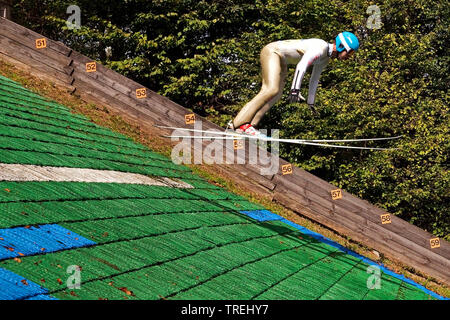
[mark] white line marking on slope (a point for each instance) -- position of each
(22, 172)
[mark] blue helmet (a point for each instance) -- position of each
(346, 40)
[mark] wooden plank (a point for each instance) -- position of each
(173, 108)
(89, 94)
(338, 208)
(315, 191)
(402, 227)
(110, 78)
(298, 203)
(300, 176)
(251, 161)
(50, 56)
(241, 181)
(79, 65)
(120, 91)
(260, 154)
(410, 232)
(109, 74)
(261, 180)
(115, 98)
(36, 71)
(356, 224)
(128, 87)
(33, 59)
(378, 231)
(12, 27)
(355, 205)
(365, 232)
(228, 153)
(336, 214)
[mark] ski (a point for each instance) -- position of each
(304, 142)
(246, 136)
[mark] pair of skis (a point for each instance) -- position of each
(231, 135)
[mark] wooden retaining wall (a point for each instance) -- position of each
(290, 186)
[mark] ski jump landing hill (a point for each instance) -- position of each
(291, 187)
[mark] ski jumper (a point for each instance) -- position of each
(274, 60)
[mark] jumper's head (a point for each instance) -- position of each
(346, 44)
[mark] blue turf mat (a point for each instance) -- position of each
(25, 241)
(266, 215)
(15, 287)
(262, 215)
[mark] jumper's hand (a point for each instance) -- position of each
(295, 96)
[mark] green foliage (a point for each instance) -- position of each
(205, 56)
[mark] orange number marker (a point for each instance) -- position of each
(91, 67)
(286, 169)
(386, 218)
(435, 243)
(41, 43)
(189, 118)
(238, 144)
(141, 93)
(336, 194)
